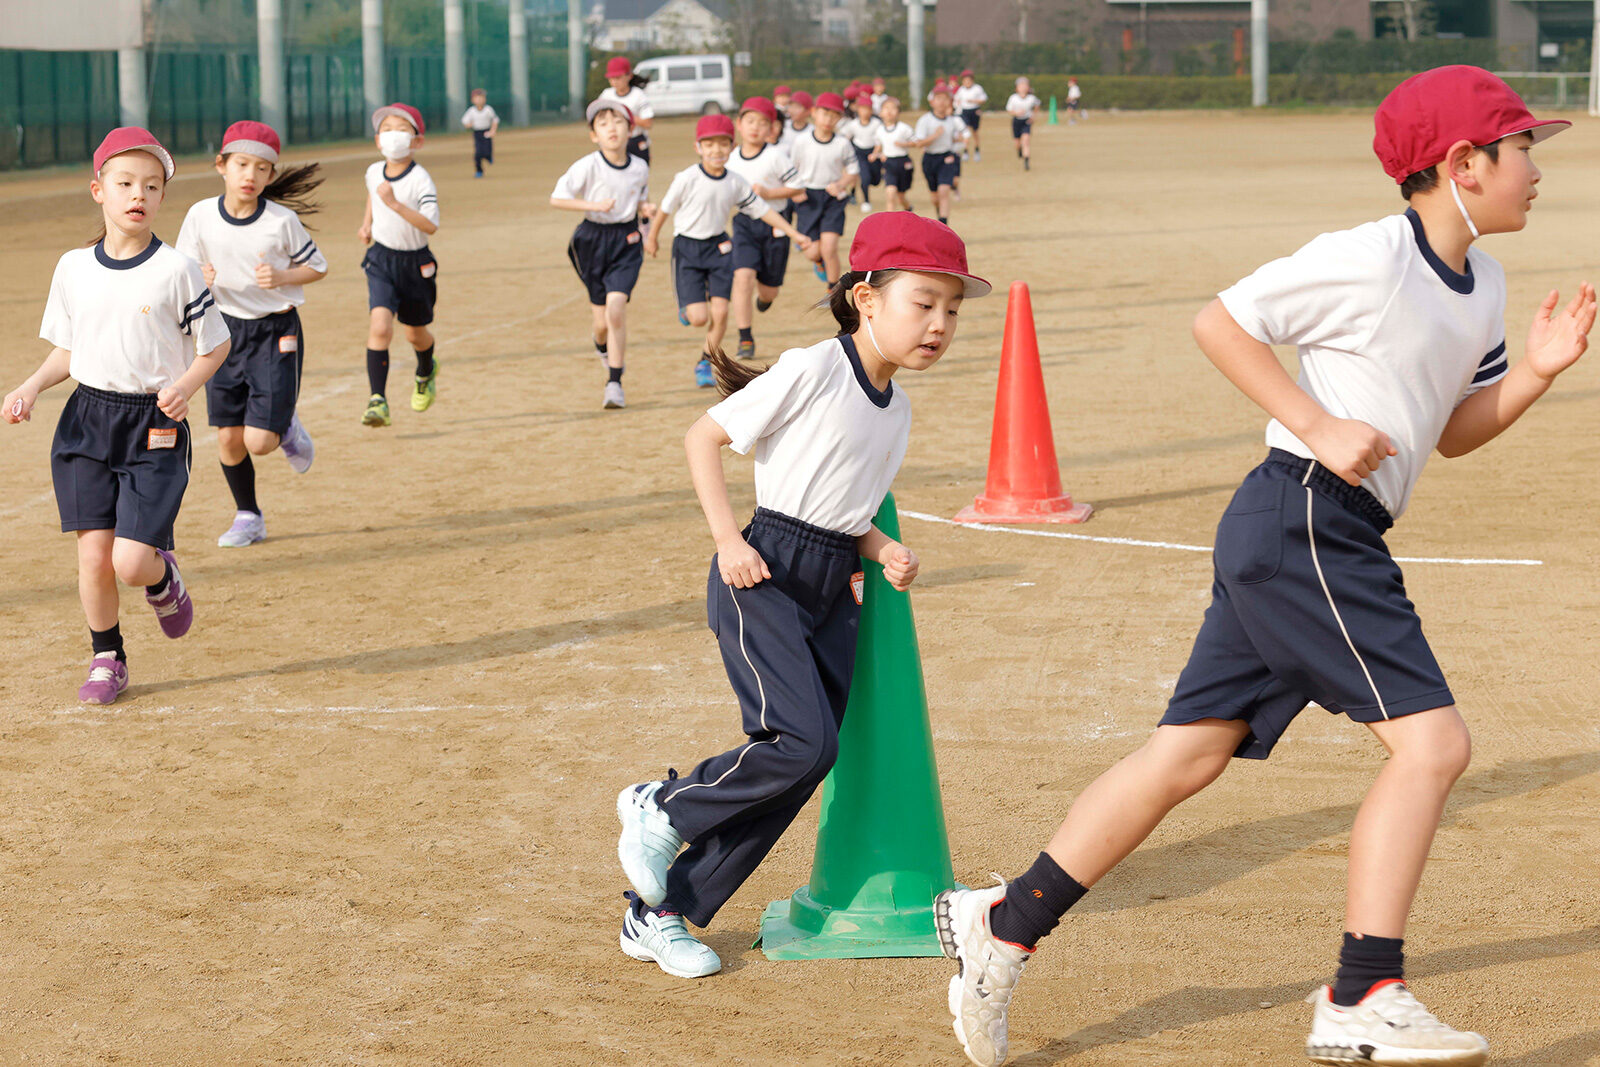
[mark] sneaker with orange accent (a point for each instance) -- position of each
(1388, 1026)
(981, 989)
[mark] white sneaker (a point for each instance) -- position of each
(614, 398)
(866, 209)
(247, 529)
(297, 446)
(989, 971)
(665, 940)
(1389, 1026)
(648, 843)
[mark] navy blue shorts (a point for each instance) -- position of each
(1307, 606)
(639, 145)
(898, 172)
(259, 382)
(119, 464)
(940, 168)
(871, 169)
(971, 117)
(482, 147)
(1020, 126)
(755, 247)
(702, 268)
(607, 256)
(819, 213)
(404, 282)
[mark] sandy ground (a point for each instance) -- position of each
(362, 813)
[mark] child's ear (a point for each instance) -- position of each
(1458, 165)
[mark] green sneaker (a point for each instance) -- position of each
(424, 391)
(377, 411)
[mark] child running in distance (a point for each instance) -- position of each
(1021, 106)
(627, 89)
(760, 252)
(825, 164)
(481, 119)
(862, 130)
(898, 172)
(937, 134)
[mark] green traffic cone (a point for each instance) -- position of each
(882, 850)
(1052, 110)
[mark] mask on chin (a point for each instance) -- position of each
(394, 144)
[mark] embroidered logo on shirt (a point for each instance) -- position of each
(858, 585)
(163, 438)
(145, 310)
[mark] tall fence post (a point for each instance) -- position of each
(455, 59)
(1258, 53)
(914, 52)
(372, 53)
(132, 102)
(519, 62)
(576, 62)
(269, 47)
(1594, 63)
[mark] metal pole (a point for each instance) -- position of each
(133, 104)
(914, 68)
(269, 47)
(1594, 63)
(372, 54)
(519, 63)
(1258, 53)
(455, 58)
(577, 64)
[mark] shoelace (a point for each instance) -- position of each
(167, 603)
(1402, 1008)
(102, 674)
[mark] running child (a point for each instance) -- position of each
(256, 258)
(879, 94)
(702, 197)
(826, 166)
(780, 102)
(611, 186)
(969, 100)
(481, 119)
(760, 252)
(1401, 335)
(1022, 105)
(894, 160)
(1074, 102)
(402, 213)
(862, 130)
(131, 320)
(627, 89)
(798, 122)
(937, 134)
(828, 429)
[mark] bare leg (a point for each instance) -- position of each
(616, 319)
(136, 563)
(767, 293)
(830, 255)
(380, 329)
(597, 312)
(719, 323)
(744, 287)
(260, 442)
(697, 314)
(230, 445)
(97, 582)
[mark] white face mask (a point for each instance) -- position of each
(394, 144)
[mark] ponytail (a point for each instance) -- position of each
(293, 189)
(731, 375)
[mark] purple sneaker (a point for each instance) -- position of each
(108, 677)
(174, 609)
(298, 448)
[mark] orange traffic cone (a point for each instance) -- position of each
(1024, 482)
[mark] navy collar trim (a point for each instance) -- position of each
(819, 140)
(879, 397)
(409, 168)
(627, 160)
(760, 150)
(1459, 283)
(125, 264)
(713, 177)
(222, 209)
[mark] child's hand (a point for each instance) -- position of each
(1556, 341)
(804, 242)
(647, 210)
(1350, 448)
(173, 404)
(386, 193)
(650, 245)
(602, 206)
(365, 233)
(209, 273)
(740, 565)
(900, 565)
(19, 404)
(799, 198)
(267, 276)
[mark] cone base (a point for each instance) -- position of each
(1052, 509)
(798, 928)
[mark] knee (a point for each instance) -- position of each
(94, 556)
(259, 442)
(615, 311)
(696, 315)
(1444, 755)
(131, 562)
(380, 335)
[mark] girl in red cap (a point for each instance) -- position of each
(257, 257)
(828, 430)
(760, 253)
(132, 321)
(798, 122)
(826, 167)
(627, 89)
(1400, 326)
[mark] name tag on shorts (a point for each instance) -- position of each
(725, 247)
(428, 269)
(949, 159)
(633, 237)
(858, 585)
(163, 438)
(289, 344)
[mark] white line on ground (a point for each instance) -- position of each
(1174, 546)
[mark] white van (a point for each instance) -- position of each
(689, 85)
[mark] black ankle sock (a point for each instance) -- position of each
(242, 484)
(378, 370)
(614, 374)
(600, 347)
(166, 579)
(1364, 962)
(944, 219)
(762, 305)
(1034, 903)
(746, 333)
(424, 361)
(108, 641)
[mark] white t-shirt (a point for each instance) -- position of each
(970, 97)
(820, 163)
(769, 167)
(132, 325)
(889, 138)
(415, 189)
(864, 135)
(877, 101)
(787, 138)
(479, 118)
(273, 235)
(1386, 332)
(594, 177)
(1074, 93)
(700, 204)
(949, 130)
(637, 102)
(827, 445)
(1022, 107)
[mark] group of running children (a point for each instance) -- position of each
(1400, 330)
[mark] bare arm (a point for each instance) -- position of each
(653, 235)
(778, 222)
(583, 205)
(365, 232)
(270, 277)
(900, 564)
(18, 405)
(174, 399)
(740, 565)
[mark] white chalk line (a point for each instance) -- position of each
(1176, 547)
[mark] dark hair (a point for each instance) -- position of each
(292, 187)
(1426, 180)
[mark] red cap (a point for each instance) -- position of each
(761, 104)
(253, 139)
(597, 106)
(133, 139)
(830, 102)
(801, 97)
(903, 240)
(782, 90)
(966, 74)
(713, 126)
(1427, 113)
(851, 93)
(619, 67)
(405, 111)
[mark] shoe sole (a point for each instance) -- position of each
(639, 952)
(240, 544)
(373, 420)
(613, 405)
(624, 816)
(102, 703)
(1379, 1055)
(944, 924)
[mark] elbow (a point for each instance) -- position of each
(1451, 449)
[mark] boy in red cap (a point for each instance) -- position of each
(760, 252)
(627, 89)
(828, 429)
(1401, 336)
(938, 134)
(798, 122)
(780, 103)
(969, 99)
(257, 258)
(702, 197)
(825, 164)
